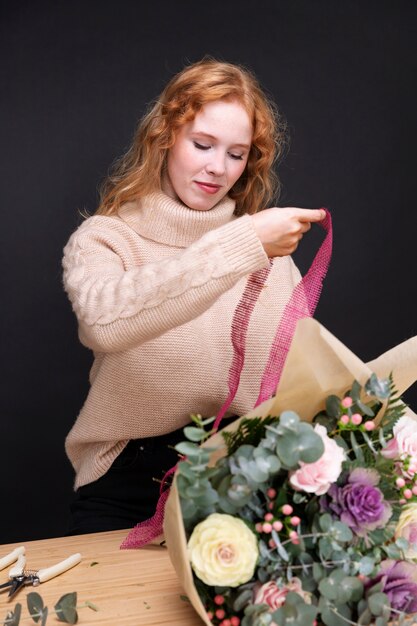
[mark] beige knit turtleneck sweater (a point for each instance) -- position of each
(154, 291)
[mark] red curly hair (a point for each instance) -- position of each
(139, 171)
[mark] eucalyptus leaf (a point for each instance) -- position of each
(318, 572)
(333, 407)
(402, 543)
(66, 608)
(310, 444)
(365, 408)
(392, 551)
(242, 599)
(366, 565)
(13, 617)
(195, 434)
(35, 605)
(188, 449)
(340, 532)
(356, 448)
(355, 392)
(289, 420)
(377, 602)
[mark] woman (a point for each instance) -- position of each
(155, 276)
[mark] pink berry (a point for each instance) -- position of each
(277, 525)
(220, 613)
(270, 505)
(272, 544)
(345, 419)
(210, 615)
(268, 517)
(295, 520)
(347, 402)
(266, 527)
(402, 501)
(287, 509)
(235, 621)
(271, 493)
(369, 425)
(219, 600)
(414, 490)
(258, 527)
(408, 494)
(356, 419)
(294, 538)
(226, 622)
(400, 482)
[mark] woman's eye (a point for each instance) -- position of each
(237, 157)
(200, 146)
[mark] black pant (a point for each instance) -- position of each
(127, 493)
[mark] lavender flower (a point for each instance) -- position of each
(399, 582)
(359, 503)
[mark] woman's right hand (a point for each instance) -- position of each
(280, 229)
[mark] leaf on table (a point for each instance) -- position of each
(13, 617)
(35, 606)
(66, 608)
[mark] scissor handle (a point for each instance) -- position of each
(50, 572)
(11, 557)
(17, 569)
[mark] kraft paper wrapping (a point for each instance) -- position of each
(317, 365)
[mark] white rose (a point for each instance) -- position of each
(223, 551)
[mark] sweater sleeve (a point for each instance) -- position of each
(119, 308)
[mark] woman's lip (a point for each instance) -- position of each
(208, 187)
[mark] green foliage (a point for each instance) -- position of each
(326, 556)
(250, 431)
(65, 610)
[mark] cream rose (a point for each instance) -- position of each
(317, 477)
(223, 551)
(407, 529)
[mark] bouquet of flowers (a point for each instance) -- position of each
(278, 521)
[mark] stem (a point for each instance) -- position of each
(342, 617)
(306, 537)
(309, 565)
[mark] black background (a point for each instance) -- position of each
(75, 78)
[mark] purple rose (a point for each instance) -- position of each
(399, 582)
(359, 503)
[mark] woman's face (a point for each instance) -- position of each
(209, 155)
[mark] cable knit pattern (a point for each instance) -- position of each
(154, 290)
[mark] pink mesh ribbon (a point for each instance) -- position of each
(302, 304)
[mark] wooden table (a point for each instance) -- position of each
(129, 587)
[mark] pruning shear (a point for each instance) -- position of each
(19, 576)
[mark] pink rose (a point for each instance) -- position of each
(274, 596)
(318, 476)
(404, 442)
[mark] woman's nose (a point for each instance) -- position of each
(216, 164)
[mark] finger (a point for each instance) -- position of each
(310, 215)
(305, 226)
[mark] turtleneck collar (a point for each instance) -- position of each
(161, 218)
